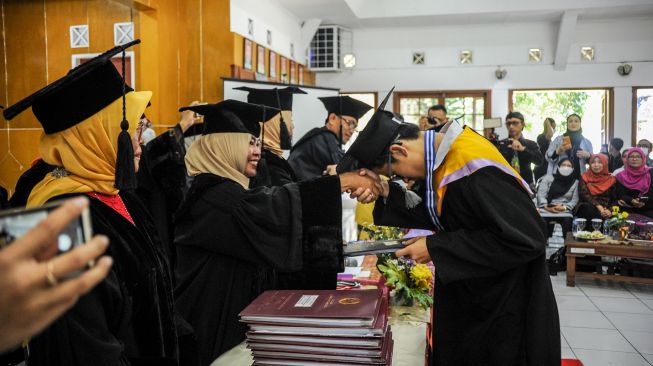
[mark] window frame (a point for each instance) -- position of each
(486, 94)
(633, 121)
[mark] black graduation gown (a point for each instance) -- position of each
(275, 172)
(27, 181)
(162, 183)
(494, 304)
(272, 171)
(128, 318)
(316, 150)
(230, 241)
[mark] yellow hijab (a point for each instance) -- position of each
(87, 151)
(272, 132)
(223, 154)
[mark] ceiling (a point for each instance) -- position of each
(419, 13)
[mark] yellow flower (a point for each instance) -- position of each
(615, 210)
(421, 275)
(625, 215)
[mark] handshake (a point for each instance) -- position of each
(363, 185)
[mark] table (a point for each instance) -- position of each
(409, 327)
(577, 249)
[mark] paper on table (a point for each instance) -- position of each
(353, 270)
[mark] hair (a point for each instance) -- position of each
(438, 107)
(517, 115)
(617, 143)
(574, 114)
(406, 131)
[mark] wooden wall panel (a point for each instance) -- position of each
(217, 52)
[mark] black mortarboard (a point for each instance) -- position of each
(345, 106)
(275, 97)
(233, 116)
(379, 132)
(84, 91)
(194, 130)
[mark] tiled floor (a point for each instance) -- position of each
(604, 322)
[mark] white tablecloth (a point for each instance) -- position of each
(408, 332)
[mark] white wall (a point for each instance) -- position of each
(267, 14)
(384, 59)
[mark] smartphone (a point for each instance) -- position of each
(643, 199)
(566, 140)
(15, 223)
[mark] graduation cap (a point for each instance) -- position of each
(344, 105)
(377, 135)
(232, 116)
(276, 98)
(84, 91)
(194, 130)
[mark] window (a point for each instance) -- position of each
(470, 106)
(593, 105)
(642, 114)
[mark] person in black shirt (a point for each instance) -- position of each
(519, 151)
(615, 160)
(543, 141)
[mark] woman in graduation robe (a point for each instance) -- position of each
(493, 300)
(230, 240)
(128, 319)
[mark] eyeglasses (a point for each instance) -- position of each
(350, 122)
(634, 157)
(513, 123)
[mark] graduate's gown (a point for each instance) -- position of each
(128, 318)
(230, 241)
(494, 304)
(274, 171)
(317, 149)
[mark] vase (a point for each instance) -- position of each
(400, 299)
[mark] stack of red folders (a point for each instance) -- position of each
(319, 328)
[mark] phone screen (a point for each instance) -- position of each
(17, 222)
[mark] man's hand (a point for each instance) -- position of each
(385, 186)
(34, 293)
(416, 250)
(517, 146)
(330, 170)
(188, 118)
(361, 187)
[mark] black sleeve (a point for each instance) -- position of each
(533, 153)
(393, 211)
(623, 193)
(511, 232)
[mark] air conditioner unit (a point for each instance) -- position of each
(328, 46)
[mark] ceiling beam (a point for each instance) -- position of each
(566, 37)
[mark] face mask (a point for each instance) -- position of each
(565, 170)
(645, 149)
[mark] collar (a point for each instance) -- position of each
(451, 132)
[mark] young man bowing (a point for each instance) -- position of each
(494, 304)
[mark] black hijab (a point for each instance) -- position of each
(576, 138)
(561, 184)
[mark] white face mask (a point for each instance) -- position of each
(645, 149)
(565, 170)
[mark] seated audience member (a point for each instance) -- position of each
(129, 317)
(543, 141)
(519, 151)
(623, 162)
(230, 240)
(571, 145)
(596, 190)
(27, 307)
(615, 160)
(633, 188)
(646, 147)
(557, 195)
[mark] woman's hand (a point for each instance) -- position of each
(637, 203)
(623, 203)
(415, 249)
(551, 209)
(34, 293)
(562, 148)
(583, 154)
(560, 208)
(188, 118)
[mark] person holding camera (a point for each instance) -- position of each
(436, 118)
(520, 152)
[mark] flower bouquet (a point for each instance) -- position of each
(617, 223)
(410, 282)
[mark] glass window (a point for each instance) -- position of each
(470, 106)
(643, 105)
